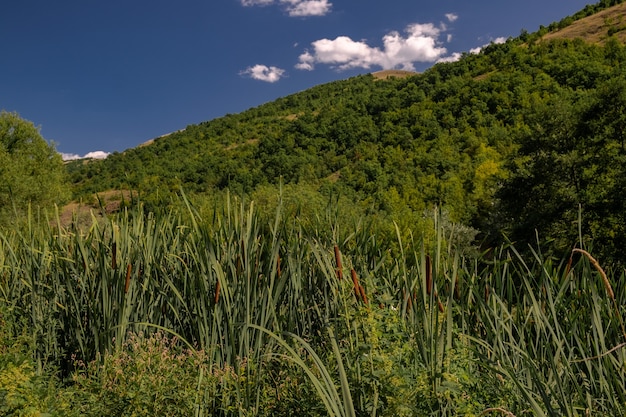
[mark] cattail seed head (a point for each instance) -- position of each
(114, 255)
(217, 292)
(605, 279)
(569, 266)
(355, 281)
(338, 262)
(363, 295)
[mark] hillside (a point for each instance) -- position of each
(447, 243)
(596, 28)
(504, 140)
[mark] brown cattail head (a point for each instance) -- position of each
(607, 286)
(278, 271)
(355, 281)
(363, 295)
(486, 293)
(408, 299)
(605, 279)
(457, 290)
(440, 305)
(569, 266)
(239, 265)
(114, 255)
(338, 262)
(129, 269)
(217, 292)
(429, 275)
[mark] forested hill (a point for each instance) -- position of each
(513, 139)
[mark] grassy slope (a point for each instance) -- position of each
(595, 28)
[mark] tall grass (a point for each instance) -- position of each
(557, 336)
(409, 327)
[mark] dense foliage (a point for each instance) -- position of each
(227, 313)
(346, 278)
(516, 138)
(31, 171)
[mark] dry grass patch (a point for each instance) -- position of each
(106, 202)
(596, 28)
(386, 74)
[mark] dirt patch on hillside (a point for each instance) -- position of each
(97, 206)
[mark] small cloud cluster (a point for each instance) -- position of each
(451, 17)
(90, 155)
(263, 73)
(457, 55)
(296, 8)
(420, 44)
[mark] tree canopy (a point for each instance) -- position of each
(31, 171)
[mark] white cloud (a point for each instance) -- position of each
(307, 62)
(69, 156)
(480, 48)
(90, 155)
(451, 17)
(296, 8)
(419, 45)
(97, 155)
(256, 2)
(301, 8)
(457, 55)
(451, 58)
(263, 73)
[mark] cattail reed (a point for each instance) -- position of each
(114, 255)
(355, 281)
(607, 284)
(407, 297)
(363, 295)
(569, 266)
(129, 269)
(217, 292)
(239, 265)
(429, 275)
(338, 262)
(439, 303)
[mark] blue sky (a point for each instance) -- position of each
(109, 75)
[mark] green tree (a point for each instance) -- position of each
(31, 171)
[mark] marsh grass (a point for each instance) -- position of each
(420, 328)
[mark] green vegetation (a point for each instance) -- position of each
(514, 139)
(239, 314)
(448, 243)
(31, 171)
